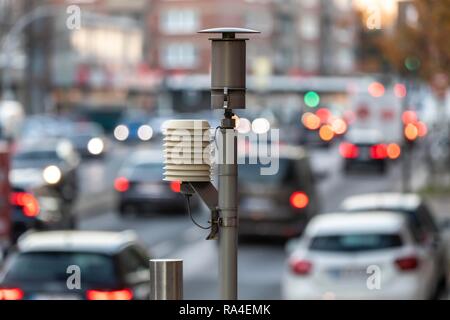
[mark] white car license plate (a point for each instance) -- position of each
(151, 189)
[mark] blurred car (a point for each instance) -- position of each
(88, 139)
(358, 256)
(412, 206)
(133, 127)
(44, 127)
(277, 205)
(141, 188)
(110, 266)
(51, 162)
(38, 208)
(363, 149)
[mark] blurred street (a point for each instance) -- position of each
(174, 236)
(314, 132)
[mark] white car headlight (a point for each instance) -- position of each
(52, 174)
(260, 125)
(95, 146)
(121, 132)
(145, 132)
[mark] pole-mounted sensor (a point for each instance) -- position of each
(228, 68)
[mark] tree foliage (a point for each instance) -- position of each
(427, 40)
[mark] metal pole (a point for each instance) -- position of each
(228, 232)
(407, 149)
(166, 279)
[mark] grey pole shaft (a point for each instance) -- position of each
(166, 279)
(228, 234)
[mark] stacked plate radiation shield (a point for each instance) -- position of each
(187, 150)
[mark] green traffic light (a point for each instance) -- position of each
(412, 63)
(312, 99)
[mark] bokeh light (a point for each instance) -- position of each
(412, 63)
(121, 132)
(145, 132)
(312, 99)
(422, 129)
(339, 126)
(324, 114)
(400, 90)
(326, 133)
(393, 151)
(311, 121)
(260, 125)
(376, 89)
(409, 116)
(243, 125)
(411, 132)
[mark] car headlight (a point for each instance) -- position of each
(121, 132)
(95, 146)
(52, 174)
(260, 125)
(145, 132)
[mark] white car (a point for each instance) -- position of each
(358, 256)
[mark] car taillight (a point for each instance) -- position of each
(175, 186)
(407, 263)
(300, 267)
(299, 200)
(121, 184)
(124, 294)
(378, 152)
(11, 294)
(29, 204)
(348, 150)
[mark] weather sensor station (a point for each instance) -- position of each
(187, 151)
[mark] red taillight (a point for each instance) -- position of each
(29, 204)
(121, 184)
(378, 152)
(348, 150)
(124, 294)
(299, 200)
(407, 263)
(300, 267)
(175, 186)
(11, 294)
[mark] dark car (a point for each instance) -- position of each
(141, 188)
(38, 208)
(277, 205)
(426, 230)
(88, 140)
(133, 128)
(364, 148)
(75, 265)
(50, 163)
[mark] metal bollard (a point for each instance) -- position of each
(166, 279)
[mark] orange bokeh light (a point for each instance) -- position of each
(311, 121)
(326, 133)
(411, 132)
(393, 151)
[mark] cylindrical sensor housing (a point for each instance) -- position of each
(228, 73)
(228, 68)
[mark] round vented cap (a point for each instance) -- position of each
(187, 150)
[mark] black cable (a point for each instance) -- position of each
(215, 137)
(188, 202)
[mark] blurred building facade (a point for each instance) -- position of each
(308, 37)
(13, 62)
